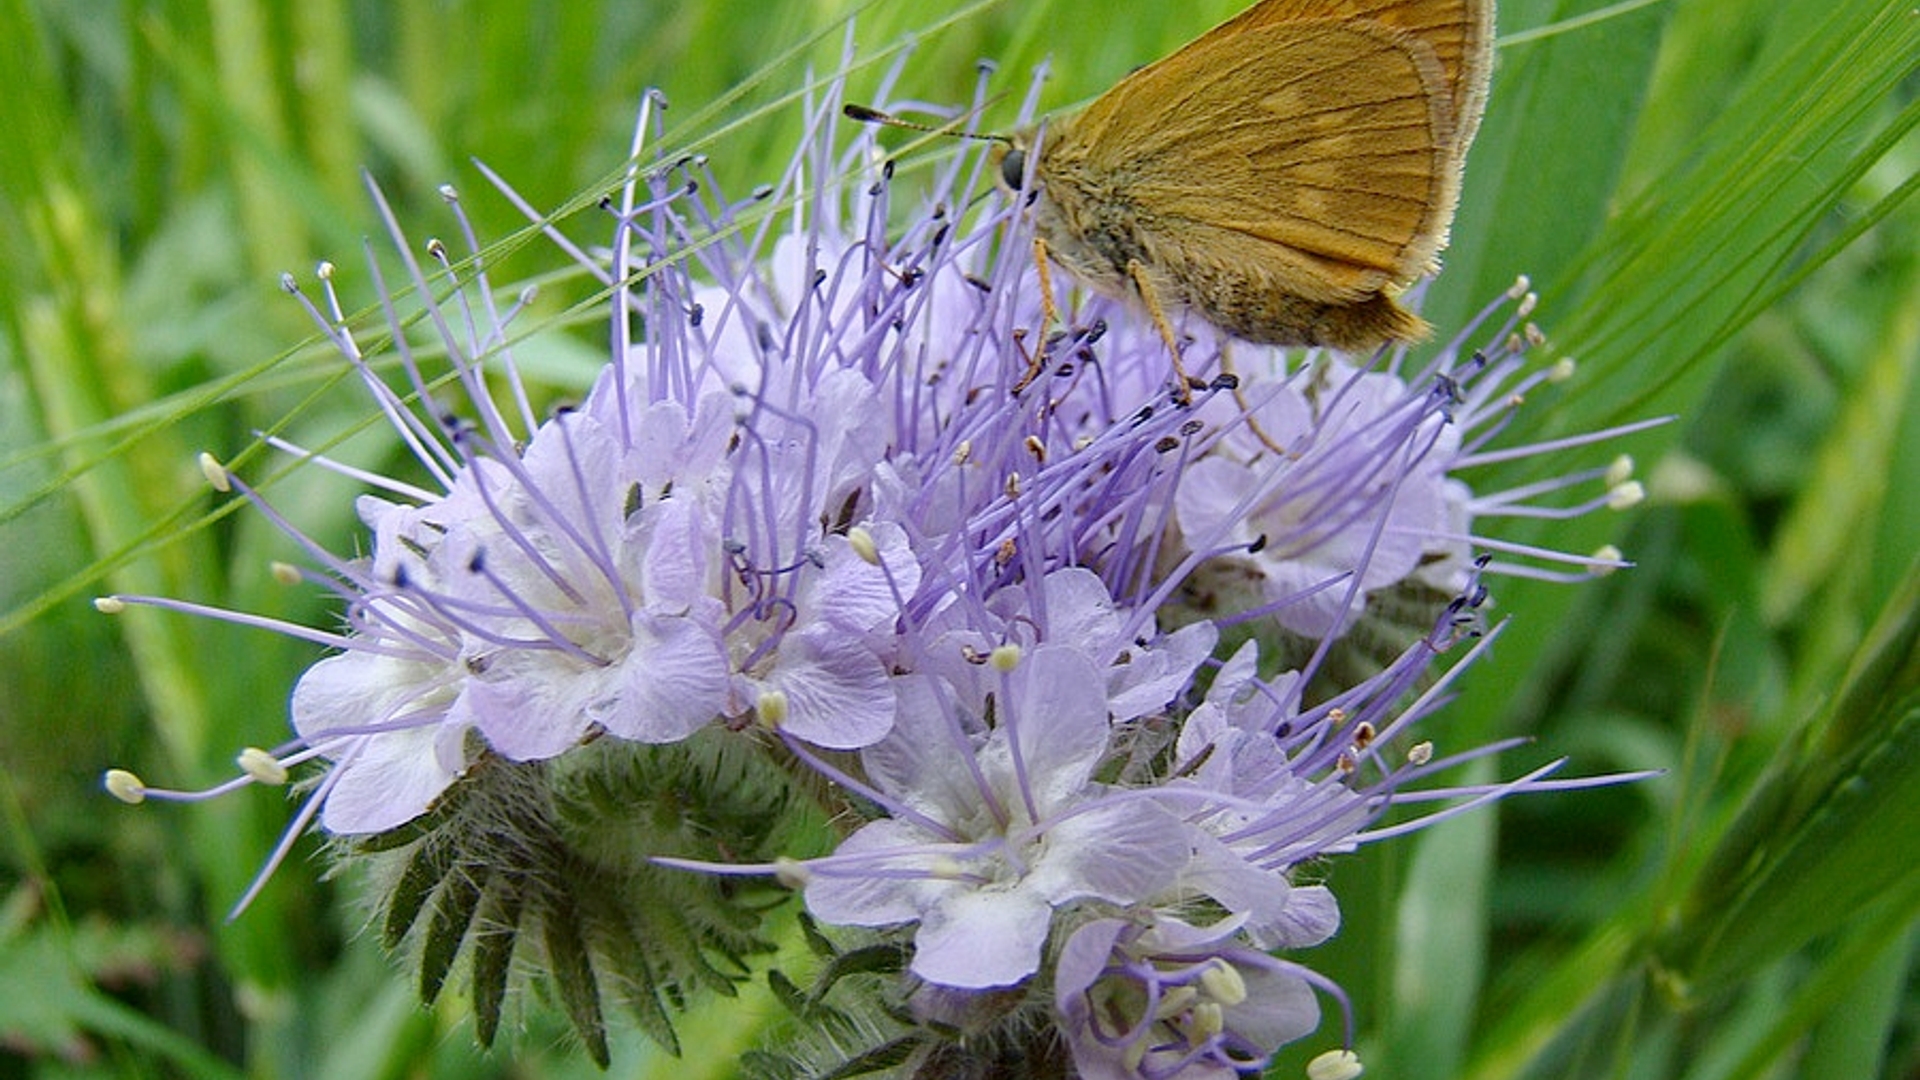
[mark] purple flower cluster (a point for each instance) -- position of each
(839, 490)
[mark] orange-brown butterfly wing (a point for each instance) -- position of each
(1460, 32)
(1320, 148)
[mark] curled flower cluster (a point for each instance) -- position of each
(1047, 613)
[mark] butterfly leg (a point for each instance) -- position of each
(1183, 386)
(1048, 313)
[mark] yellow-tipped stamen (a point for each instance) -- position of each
(124, 786)
(262, 766)
(215, 473)
(1176, 1000)
(1606, 558)
(861, 541)
(1223, 983)
(946, 867)
(771, 709)
(1335, 1065)
(1207, 1020)
(1620, 470)
(1630, 494)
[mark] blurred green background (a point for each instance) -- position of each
(1713, 198)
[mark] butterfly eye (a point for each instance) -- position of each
(1013, 168)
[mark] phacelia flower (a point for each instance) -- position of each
(1171, 999)
(841, 502)
(1340, 481)
(995, 821)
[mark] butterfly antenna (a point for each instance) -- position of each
(866, 115)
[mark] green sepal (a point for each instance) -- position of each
(817, 942)
(453, 908)
(866, 960)
(495, 931)
(888, 1055)
(570, 973)
(761, 1065)
(795, 1000)
(563, 850)
(426, 867)
(646, 995)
